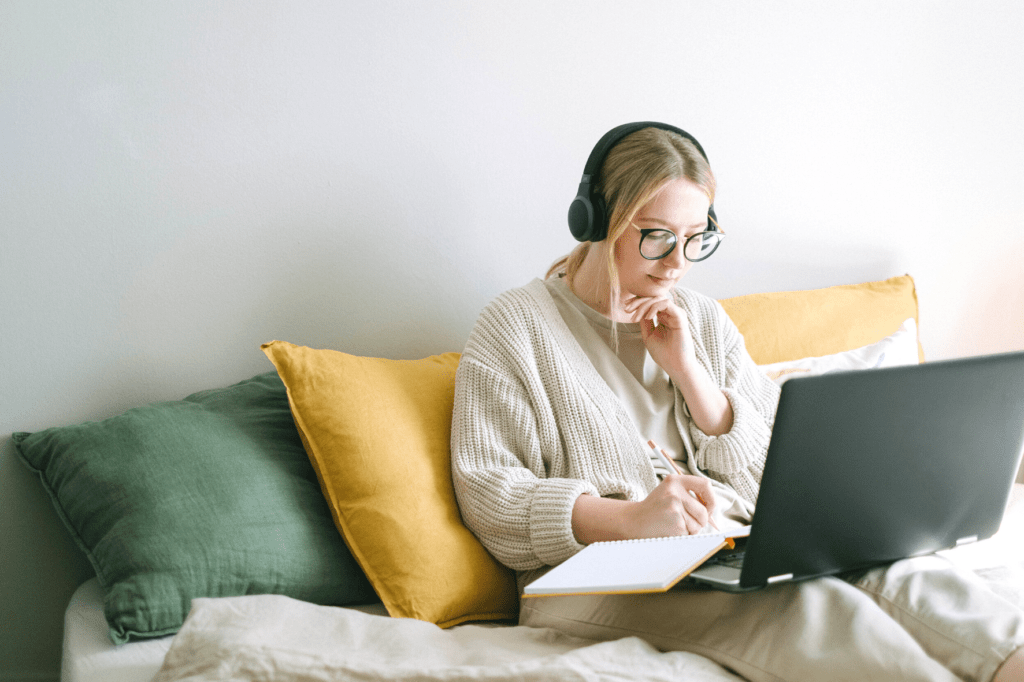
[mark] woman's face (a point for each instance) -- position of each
(680, 206)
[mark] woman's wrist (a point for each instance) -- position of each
(600, 519)
(689, 368)
(692, 380)
(709, 407)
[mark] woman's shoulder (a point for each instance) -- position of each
(698, 304)
(707, 318)
(515, 313)
(525, 300)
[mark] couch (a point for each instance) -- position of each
(303, 520)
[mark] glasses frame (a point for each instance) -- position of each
(646, 231)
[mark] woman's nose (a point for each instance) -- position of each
(676, 259)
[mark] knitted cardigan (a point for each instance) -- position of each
(535, 426)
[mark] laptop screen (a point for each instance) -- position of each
(871, 466)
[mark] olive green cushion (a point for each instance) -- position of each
(209, 496)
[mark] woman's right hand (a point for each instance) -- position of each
(672, 509)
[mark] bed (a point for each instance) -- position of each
(391, 648)
(301, 525)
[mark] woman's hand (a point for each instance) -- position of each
(673, 508)
(671, 346)
(669, 343)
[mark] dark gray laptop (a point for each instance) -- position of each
(867, 467)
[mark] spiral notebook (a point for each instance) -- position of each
(630, 566)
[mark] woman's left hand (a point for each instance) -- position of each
(669, 343)
(671, 346)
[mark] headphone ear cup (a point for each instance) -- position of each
(599, 225)
(588, 220)
(581, 218)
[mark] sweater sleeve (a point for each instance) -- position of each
(737, 457)
(520, 511)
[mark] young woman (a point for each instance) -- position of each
(564, 381)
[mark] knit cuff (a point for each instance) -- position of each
(551, 518)
(736, 457)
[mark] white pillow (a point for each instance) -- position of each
(898, 349)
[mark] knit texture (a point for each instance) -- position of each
(535, 426)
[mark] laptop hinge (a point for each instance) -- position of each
(967, 540)
(780, 578)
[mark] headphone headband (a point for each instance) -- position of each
(588, 217)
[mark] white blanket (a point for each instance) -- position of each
(269, 637)
(266, 637)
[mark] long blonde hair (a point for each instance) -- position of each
(632, 173)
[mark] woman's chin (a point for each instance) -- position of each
(648, 287)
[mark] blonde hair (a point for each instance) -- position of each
(632, 173)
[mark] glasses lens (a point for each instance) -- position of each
(657, 244)
(701, 245)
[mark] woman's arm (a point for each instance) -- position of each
(730, 401)
(736, 457)
(673, 508)
(709, 407)
(505, 494)
(672, 347)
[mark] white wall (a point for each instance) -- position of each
(182, 181)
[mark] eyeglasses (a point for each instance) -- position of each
(658, 243)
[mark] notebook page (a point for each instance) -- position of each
(627, 566)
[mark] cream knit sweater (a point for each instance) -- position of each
(535, 426)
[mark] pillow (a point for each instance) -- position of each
(378, 433)
(210, 496)
(898, 349)
(790, 325)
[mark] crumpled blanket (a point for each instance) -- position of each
(269, 637)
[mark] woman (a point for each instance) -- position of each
(564, 381)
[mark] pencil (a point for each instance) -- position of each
(669, 462)
(675, 467)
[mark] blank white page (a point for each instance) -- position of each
(651, 565)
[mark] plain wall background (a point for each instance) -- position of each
(180, 182)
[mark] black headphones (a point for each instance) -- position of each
(588, 215)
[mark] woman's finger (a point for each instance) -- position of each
(637, 303)
(693, 524)
(647, 309)
(695, 510)
(701, 488)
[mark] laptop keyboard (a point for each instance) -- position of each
(732, 560)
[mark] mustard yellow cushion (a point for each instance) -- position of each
(378, 434)
(790, 325)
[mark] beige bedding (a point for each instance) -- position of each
(276, 638)
(270, 637)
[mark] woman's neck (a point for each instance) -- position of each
(591, 284)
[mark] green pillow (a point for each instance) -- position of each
(210, 496)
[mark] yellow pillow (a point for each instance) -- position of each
(378, 434)
(790, 325)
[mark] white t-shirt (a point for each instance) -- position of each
(643, 387)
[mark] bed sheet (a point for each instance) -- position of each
(90, 656)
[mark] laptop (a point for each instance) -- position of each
(868, 467)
